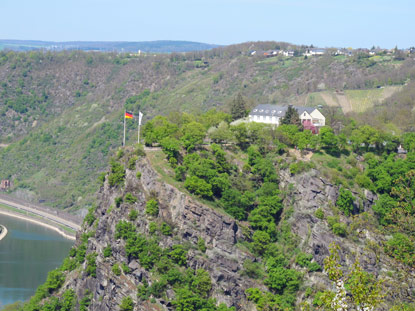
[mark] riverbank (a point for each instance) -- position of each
(38, 221)
(3, 232)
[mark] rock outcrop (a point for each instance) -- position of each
(190, 220)
(306, 193)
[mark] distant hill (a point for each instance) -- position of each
(161, 46)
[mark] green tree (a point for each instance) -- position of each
(291, 117)
(345, 201)
(199, 187)
(357, 290)
(238, 107)
(193, 134)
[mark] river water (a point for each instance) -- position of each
(27, 254)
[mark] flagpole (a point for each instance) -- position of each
(138, 134)
(123, 142)
(140, 116)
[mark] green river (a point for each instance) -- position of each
(27, 254)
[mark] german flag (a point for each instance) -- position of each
(128, 115)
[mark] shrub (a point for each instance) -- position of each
(138, 175)
(201, 245)
(152, 207)
(319, 213)
(118, 201)
(117, 175)
(101, 178)
(91, 267)
(314, 266)
(90, 217)
(402, 248)
(107, 251)
(125, 268)
(199, 187)
(253, 269)
(131, 163)
(127, 304)
(116, 269)
(152, 227)
(133, 215)
(129, 198)
(260, 241)
(165, 229)
(340, 229)
(178, 254)
(345, 201)
(303, 259)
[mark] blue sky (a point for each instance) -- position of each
(324, 23)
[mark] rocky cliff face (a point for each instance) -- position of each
(224, 258)
(308, 192)
(190, 221)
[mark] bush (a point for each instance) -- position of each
(138, 175)
(152, 227)
(125, 268)
(260, 241)
(118, 201)
(319, 213)
(131, 163)
(345, 201)
(90, 217)
(117, 175)
(91, 267)
(178, 254)
(165, 229)
(303, 259)
(133, 215)
(201, 245)
(252, 269)
(198, 187)
(340, 229)
(107, 251)
(127, 304)
(152, 207)
(402, 248)
(116, 269)
(129, 198)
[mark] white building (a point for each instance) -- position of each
(310, 117)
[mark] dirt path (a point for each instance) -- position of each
(344, 103)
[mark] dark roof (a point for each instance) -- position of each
(278, 111)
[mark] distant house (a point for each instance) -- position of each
(289, 53)
(313, 52)
(311, 118)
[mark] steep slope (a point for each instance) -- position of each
(178, 253)
(190, 221)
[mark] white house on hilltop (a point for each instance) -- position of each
(311, 118)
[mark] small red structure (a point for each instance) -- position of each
(308, 125)
(5, 184)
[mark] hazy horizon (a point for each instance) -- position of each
(322, 23)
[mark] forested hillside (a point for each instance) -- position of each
(261, 219)
(61, 113)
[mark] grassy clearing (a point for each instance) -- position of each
(362, 100)
(159, 163)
